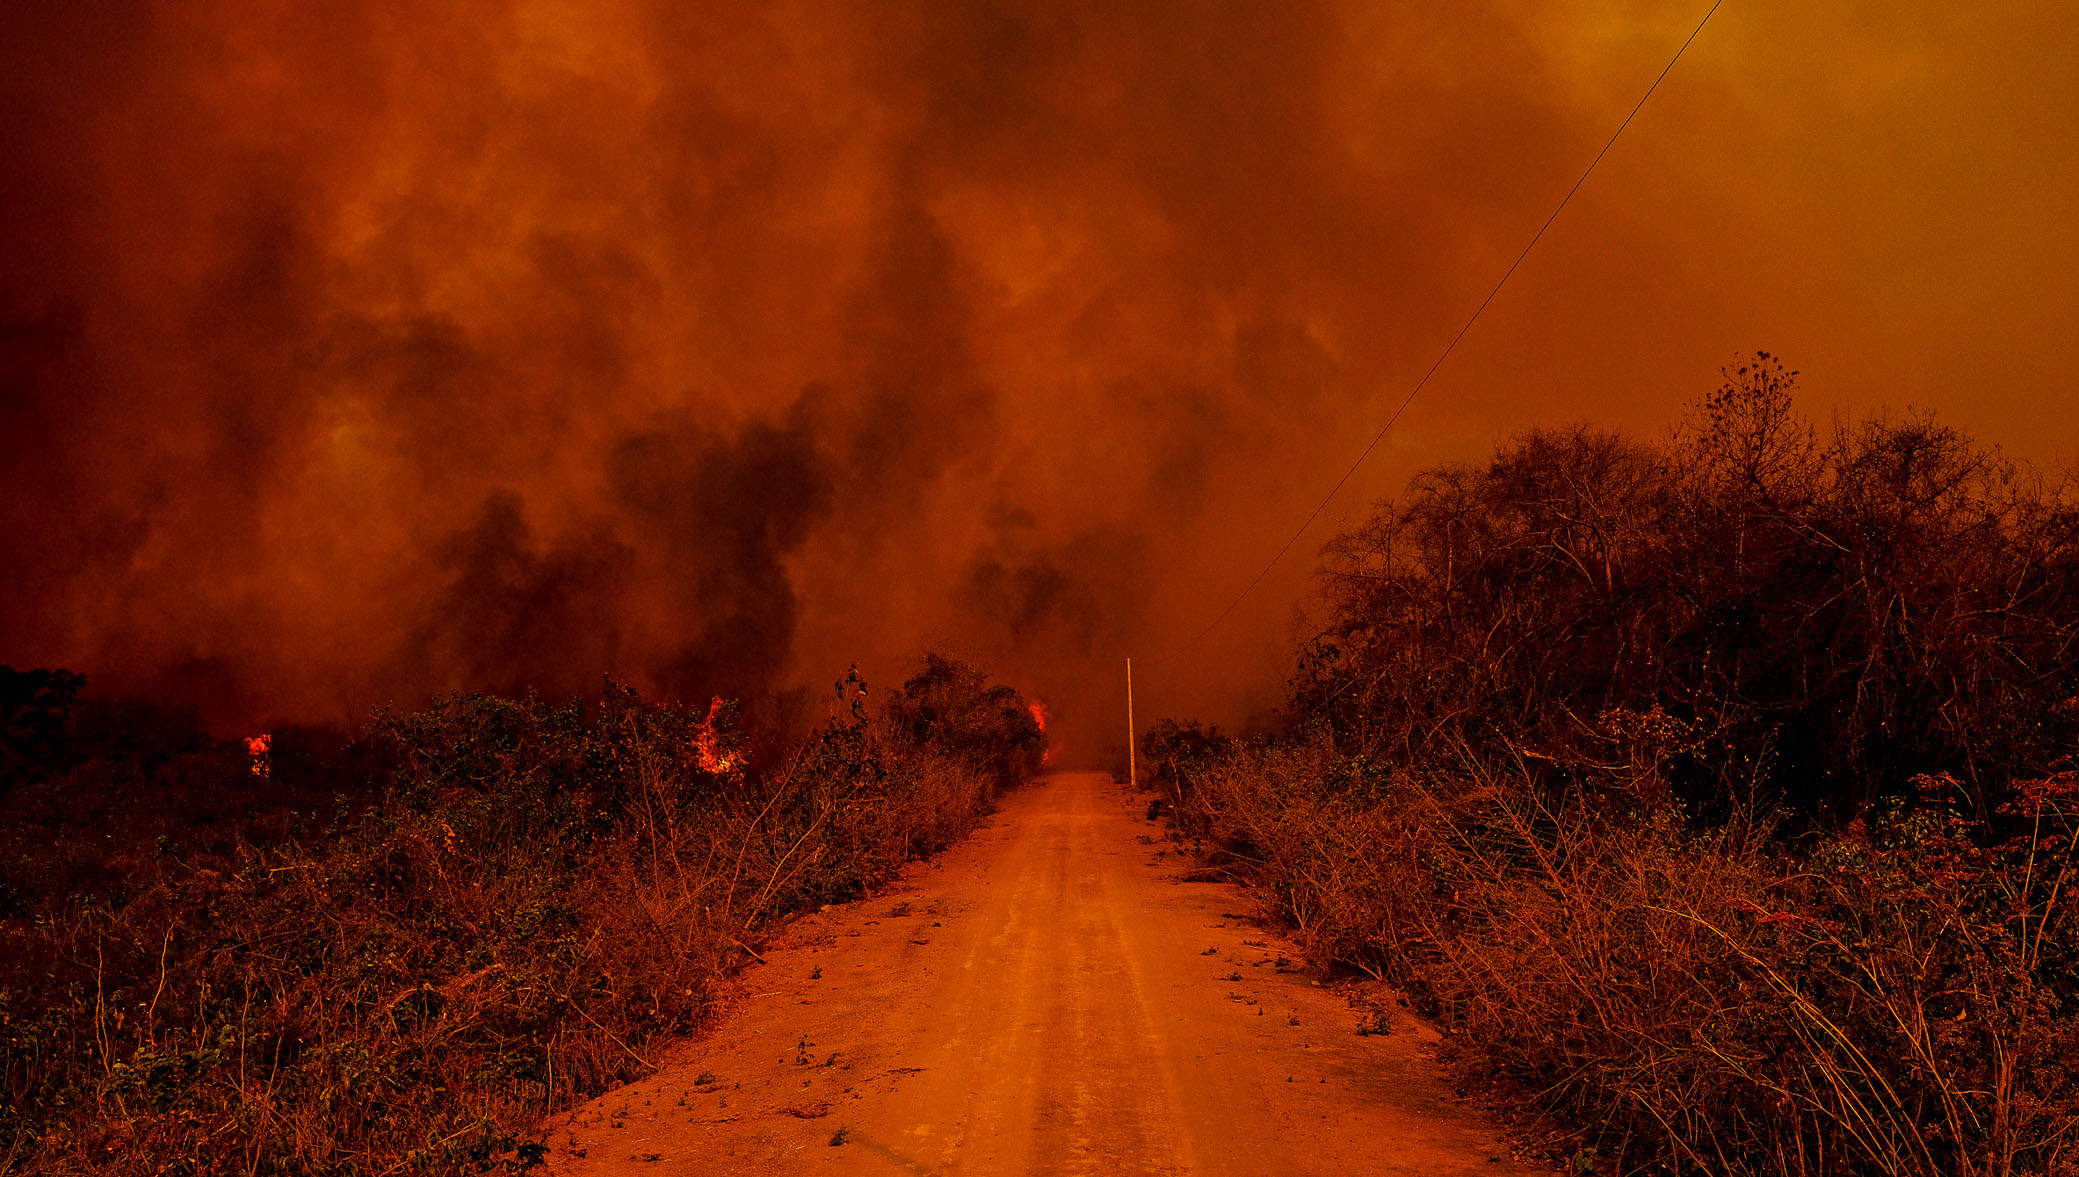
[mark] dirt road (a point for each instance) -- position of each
(1048, 997)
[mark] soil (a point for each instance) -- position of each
(1055, 995)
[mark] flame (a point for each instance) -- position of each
(705, 748)
(1039, 716)
(260, 748)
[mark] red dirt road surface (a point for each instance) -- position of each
(1048, 997)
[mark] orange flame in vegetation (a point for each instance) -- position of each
(705, 748)
(1039, 716)
(260, 748)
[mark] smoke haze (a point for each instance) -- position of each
(351, 352)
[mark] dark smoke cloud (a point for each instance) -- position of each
(514, 614)
(718, 517)
(1075, 599)
(350, 352)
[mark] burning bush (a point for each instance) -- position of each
(953, 707)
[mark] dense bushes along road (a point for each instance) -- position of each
(1717, 791)
(397, 956)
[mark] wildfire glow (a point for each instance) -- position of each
(1039, 716)
(260, 749)
(705, 748)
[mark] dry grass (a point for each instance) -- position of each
(1897, 999)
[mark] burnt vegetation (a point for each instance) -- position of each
(397, 951)
(1716, 791)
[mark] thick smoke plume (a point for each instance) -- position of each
(352, 352)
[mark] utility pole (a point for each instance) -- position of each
(1133, 771)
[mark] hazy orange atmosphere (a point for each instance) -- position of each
(354, 352)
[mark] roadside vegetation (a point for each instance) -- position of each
(1715, 791)
(397, 953)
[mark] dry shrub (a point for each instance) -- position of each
(1819, 617)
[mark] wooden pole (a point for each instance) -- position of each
(1133, 771)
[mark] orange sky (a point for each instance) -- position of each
(350, 352)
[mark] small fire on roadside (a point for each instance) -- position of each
(1039, 716)
(260, 748)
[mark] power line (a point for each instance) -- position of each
(1448, 348)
